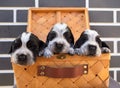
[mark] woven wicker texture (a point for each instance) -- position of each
(97, 76)
(40, 22)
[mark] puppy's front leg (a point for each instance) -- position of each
(71, 51)
(41, 52)
(78, 51)
(48, 53)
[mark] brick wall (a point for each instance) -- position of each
(104, 18)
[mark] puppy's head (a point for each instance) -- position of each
(25, 48)
(60, 38)
(89, 43)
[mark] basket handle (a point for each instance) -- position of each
(66, 72)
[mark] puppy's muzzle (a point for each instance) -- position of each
(92, 49)
(58, 47)
(22, 59)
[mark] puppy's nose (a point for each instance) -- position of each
(59, 46)
(22, 57)
(92, 47)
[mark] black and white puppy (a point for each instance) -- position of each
(59, 40)
(90, 43)
(25, 48)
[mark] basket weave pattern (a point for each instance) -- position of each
(97, 76)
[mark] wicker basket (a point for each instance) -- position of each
(40, 22)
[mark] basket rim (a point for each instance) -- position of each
(76, 58)
(58, 8)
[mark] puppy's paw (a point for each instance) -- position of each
(71, 51)
(106, 50)
(78, 52)
(41, 53)
(48, 53)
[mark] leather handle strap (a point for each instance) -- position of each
(66, 72)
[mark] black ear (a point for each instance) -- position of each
(15, 44)
(105, 45)
(42, 45)
(99, 41)
(51, 35)
(69, 37)
(105, 48)
(81, 40)
(10, 51)
(11, 48)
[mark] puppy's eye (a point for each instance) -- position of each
(31, 45)
(17, 44)
(66, 35)
(85, 37)
(51, 35)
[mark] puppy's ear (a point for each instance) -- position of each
(40, 43)
(99, 41)
(11, 48)
(105, 48)
(105, 45)
(69, 36)
(51, 35)
(10, 51)
(16, 43)
(42, 46)
(81, 40)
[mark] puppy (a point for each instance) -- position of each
(25, 48)
(90, 43)
(59, 40)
